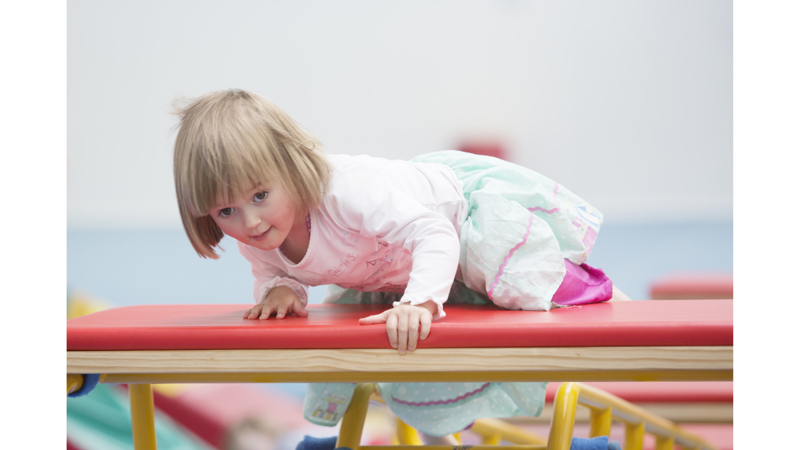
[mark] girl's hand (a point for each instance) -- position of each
(280, 301)
(405, 324)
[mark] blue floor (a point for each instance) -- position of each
(159, 267)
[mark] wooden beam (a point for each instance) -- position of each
(458, 364)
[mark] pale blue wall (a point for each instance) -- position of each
(151, 267)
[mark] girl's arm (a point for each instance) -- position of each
(395, 217)
(273, 291)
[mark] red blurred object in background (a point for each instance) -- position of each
(494, 149)
(692, 286)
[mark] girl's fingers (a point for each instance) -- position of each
(283, 308)
(425, 326)
(391, 329)
(254, 312)
(266, 310)
(404, 327)
(299, 309)
(262, 311)
(402, 333)
(413, 332)
(377, 318)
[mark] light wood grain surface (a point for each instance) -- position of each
(511, 363)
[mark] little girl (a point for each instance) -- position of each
(446, 226)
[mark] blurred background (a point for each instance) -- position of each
(627, 103)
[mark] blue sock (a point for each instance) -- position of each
(597, 443)
(89, 382)
(315, 443)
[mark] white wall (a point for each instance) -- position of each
(627, 103)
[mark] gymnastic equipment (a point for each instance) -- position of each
(620, 341)
(701, 407)
(603, 408)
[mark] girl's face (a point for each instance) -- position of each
(262, 217)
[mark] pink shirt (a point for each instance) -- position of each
(383, 226)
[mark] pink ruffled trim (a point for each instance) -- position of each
(443, 402)
(549, 211)
(505, 261)
(525, 238)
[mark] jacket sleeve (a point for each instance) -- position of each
(269, 277)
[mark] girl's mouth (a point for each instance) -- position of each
(261, 236)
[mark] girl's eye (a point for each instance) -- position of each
(260, 196)
(225, 212)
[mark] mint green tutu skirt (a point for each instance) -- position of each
(520, 229)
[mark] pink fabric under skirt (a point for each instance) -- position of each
(582, 284)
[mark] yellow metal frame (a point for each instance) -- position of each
(492, 431)
(142, 416)
(74, 382)
(606, 407)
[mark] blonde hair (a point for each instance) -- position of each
(231, 141)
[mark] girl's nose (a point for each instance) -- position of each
(251, 220)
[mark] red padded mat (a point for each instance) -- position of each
(208, 327)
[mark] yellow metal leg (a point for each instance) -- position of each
(407, 435)
(142, 416)
(492, 439)
(600, 422)
(493, 431)
(563, 421)
(634, 436)
(353, 420)
(74, 382)
(665, 443)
